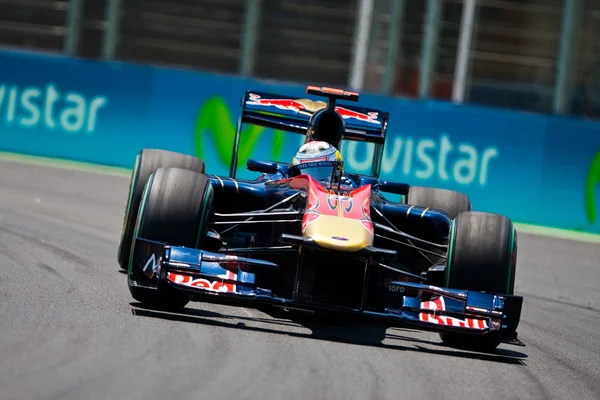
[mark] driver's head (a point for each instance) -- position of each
(316, 151)
(317, 159)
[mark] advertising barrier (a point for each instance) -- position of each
(536, 169)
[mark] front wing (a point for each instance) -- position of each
(426, 307)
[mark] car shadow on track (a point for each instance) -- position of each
(371, 334)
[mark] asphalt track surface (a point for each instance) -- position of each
(70, 330)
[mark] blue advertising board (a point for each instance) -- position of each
(533, 168)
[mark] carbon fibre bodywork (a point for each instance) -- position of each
(334, 244)
(275, 263)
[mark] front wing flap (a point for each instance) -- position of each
(454, 309)
(425, 307)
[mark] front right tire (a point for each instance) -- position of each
(175, 209)
(146, 163)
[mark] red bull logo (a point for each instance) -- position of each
(296, 105)
(283, 104)
(369, 117)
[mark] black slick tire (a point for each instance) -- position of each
(482, 256)
(175, 209)
(448, 201)
(146, 163)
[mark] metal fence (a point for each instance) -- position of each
(534, 55)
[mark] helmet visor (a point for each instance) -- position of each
(319, 170)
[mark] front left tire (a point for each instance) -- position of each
(482, 256)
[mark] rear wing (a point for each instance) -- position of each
(292, 114)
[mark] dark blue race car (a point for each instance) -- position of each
(313, 237)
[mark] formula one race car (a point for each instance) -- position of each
(310, 236)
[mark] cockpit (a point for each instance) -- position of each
(319, 170)
(323, 171)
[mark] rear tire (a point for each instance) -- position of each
(175, 210)
(482, 256)
(146, 163)
(451, 202)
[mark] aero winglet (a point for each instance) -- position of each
(332, 93)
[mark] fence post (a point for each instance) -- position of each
(430, 39)
(71, 39)
(564, 68)
(393, 41)
(111, 29)
(464, 51)
(361, 44)
(249, 37)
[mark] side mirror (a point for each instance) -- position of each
(266, 167)
(394, 187)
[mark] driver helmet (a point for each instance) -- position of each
(316, 151)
